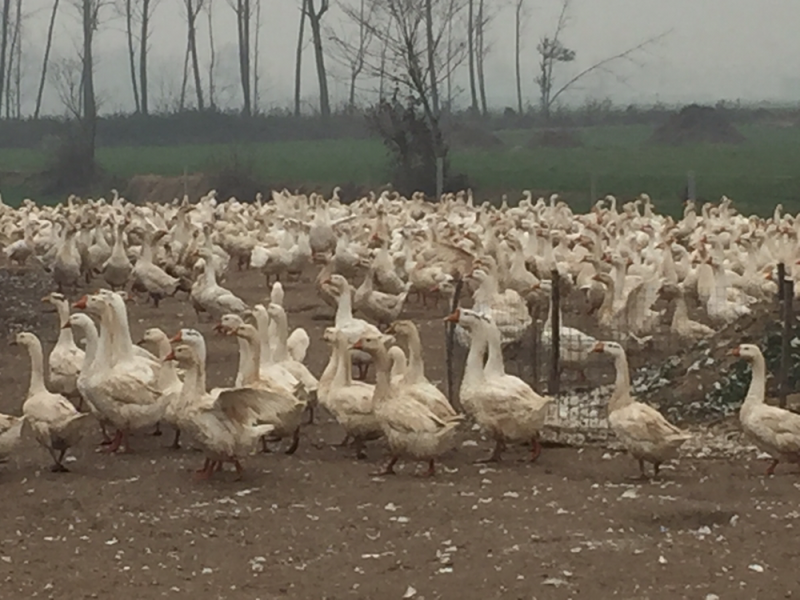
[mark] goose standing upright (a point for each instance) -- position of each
(644, 431)
(66, 359)
(56, 423)
(774, 430)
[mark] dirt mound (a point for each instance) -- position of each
(157, 188)
(461, 135)
(555, 138)
(696, 124)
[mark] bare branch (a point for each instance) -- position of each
(603, 64)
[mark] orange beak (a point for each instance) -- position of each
(736, 351)
(178, 337)
(67, 325)
(598, 347)
(170, 356)
(81, 304)
(358, 345)
(453, 317)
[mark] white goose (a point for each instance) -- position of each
(56, 423)
(66, 359)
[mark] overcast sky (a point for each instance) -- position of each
(717, 49)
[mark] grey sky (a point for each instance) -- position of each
(718, 49)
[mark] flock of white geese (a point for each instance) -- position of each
(625, 261)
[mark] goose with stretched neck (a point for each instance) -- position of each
(124, 385)
(168, 378)
(414, 380)
(644, 431)
(56, 424)
(774, 430)
(282, 408)
(82, 326)
(66, 359)
(344, 321)
(504, 406)
(412, 430)
(350, 402)
(223, 425)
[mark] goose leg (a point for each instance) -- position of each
(359, 444)
(58, 466)
(206, 464)
(310, 410)
(206, 472)
(536, 450)
(176, 445)
(771, 468)
(239, 469)
(431, 470)
(264, 448)
(157, 431)
(106, 438)
(345, 441)
(655, 469)
(115, 443)
(496, 455)
(389, 469)
(295, 442)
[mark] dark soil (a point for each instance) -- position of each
(316, 525)
(696, 124)
(555, 138)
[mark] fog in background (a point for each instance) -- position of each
(716, 50)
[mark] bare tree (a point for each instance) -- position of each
(298, 58)
(193, 8)
(148, 7)
(65, 77)
(14, 98)
(415, 55)
(481, 50)
(243, 15)
(473, 89)
(256, 57)
(212, 51)
(125, 8)
(352, 52)
(5, 22)
(552, 51)
(48, 45)
(315, 21)
(520, 18)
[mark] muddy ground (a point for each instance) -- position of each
(316, 525)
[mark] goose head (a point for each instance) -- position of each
(468, 319)
(25, 338)
(372, 344)
(94, 304)
(337, 284)
(183, 354)
(402, 329)
(154, 335)
(612, 348)
(229, 323)
(330, 335)
(747, 351)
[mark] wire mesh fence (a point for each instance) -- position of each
(554, 351)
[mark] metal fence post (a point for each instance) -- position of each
(555, 320)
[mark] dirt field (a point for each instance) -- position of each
(316, 525)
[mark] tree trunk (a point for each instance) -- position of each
(315, 19)
(517, 50)
(481, 54)
(212, 60)
(143, 56)
(256, 99)
(473, 91)
(298, 58)
(6, 17)
(131, 52)
(89, 103)
(431, 57)
(192, 22)
(243, 29)
(46, 59)
(185, 79)
(18, 67)
(12, 56)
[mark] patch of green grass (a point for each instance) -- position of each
(756, 175)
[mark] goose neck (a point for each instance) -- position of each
(622, 384)
(37, 369)
(416, 366)
(383, 382)
(473, 371)
(494, 362)
(757, 389)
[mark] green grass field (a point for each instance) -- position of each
(756, 175)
